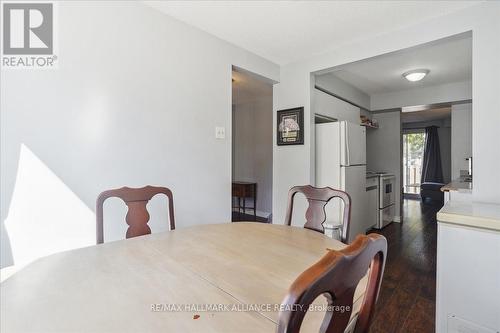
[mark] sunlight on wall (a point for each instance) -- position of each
(45, 216)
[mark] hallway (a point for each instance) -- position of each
(408, 294)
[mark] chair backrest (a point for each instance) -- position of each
(336, 276)
(315, 214)
(137, 217)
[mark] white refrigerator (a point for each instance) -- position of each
(341, 164)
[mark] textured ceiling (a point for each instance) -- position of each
(287, 31)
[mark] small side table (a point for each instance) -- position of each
(243, 190)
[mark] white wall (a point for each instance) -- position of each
(383, 150)
(461, 138)
(135, 101)
(339, 87)
(253, 148)
(450, 92)
(292, 165)
(445, 148)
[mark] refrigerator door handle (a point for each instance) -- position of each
(346, 140)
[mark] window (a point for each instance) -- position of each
(413, 152)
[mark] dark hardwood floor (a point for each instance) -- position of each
(407, 298)
(241, 217)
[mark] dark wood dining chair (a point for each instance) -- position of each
(336, 276)
(137, 217)
(315, 213)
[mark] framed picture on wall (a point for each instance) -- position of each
(290, 127)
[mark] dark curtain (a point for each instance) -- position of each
(432, 170)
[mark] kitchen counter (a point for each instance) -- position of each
(471, 214)
(458, 185)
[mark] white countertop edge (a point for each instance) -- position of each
(471, 214)
(469, 221)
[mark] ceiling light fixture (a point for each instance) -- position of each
(416, 74)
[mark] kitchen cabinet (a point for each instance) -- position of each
(468, 268)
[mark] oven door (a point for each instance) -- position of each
(386, 216)
(387, 189)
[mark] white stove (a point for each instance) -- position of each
(386, 197)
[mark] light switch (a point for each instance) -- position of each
(220, 133)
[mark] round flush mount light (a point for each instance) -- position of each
(416, 74)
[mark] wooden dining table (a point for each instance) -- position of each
(207, 278)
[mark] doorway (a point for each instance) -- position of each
(398, 110)
(413, 153)
(252, 147)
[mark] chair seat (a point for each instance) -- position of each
(431, 191)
